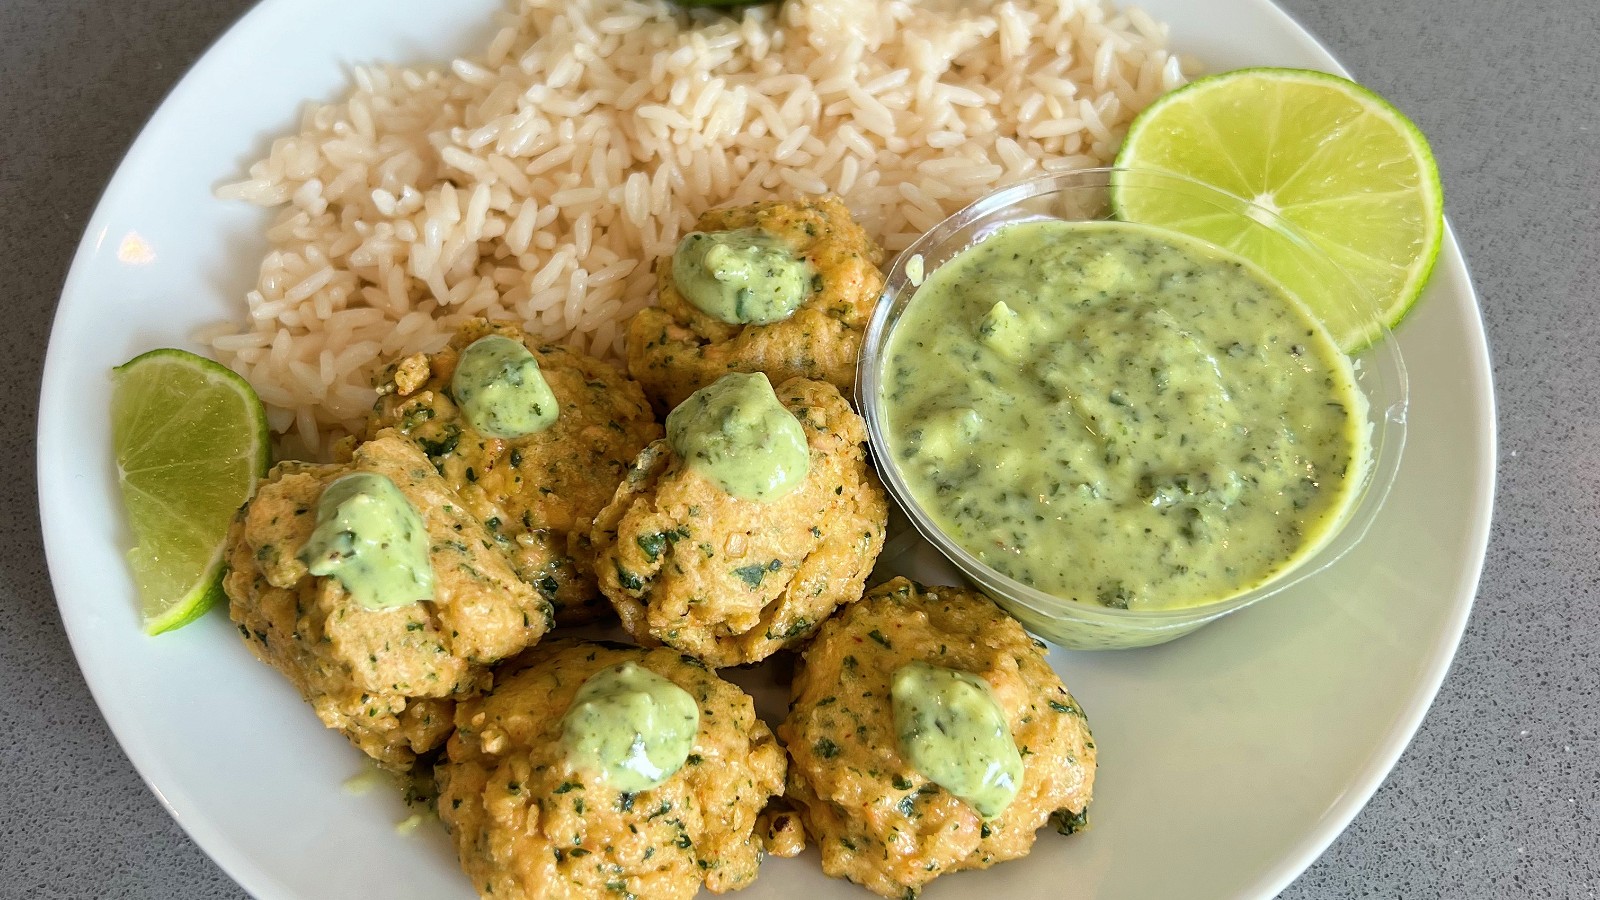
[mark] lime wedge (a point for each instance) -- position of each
(191, 440)
(1330, 157)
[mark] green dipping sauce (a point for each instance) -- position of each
(735, 433)
(742, 277)
(1119, 416)
(499, 388)
(953, 731)
(631, 726)
(371, 539)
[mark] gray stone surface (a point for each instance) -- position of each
(1498, 796)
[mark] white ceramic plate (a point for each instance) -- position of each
(1230, 759)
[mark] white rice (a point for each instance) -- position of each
(539, 181)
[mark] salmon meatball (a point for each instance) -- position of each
(386, 677)
(676, 347)
(732, 580)
(538, 492)
(531, 819)
(856, 775)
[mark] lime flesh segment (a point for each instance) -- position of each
(1351, 173)
(191, 440)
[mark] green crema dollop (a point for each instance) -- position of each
(499, 388)
(953, 731)
(742, 277)
(631, 726)
(371, 539)
(736, 433)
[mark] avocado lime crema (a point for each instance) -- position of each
(372, 541)
(1120, 416)
(736, 433)
(743, 277)
(953, 731)
(631, 726)
(499, 388)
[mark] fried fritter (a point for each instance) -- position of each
(528, 825)
(538, 493)
(387, 678)
(674, 349)
(730, 580)
(877, 820)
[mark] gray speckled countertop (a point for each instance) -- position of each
(1497, 797)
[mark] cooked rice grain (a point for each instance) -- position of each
(539, 181)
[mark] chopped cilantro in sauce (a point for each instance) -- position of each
(1121, 417)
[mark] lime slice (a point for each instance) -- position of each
(191, 440)
(1330, 157)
